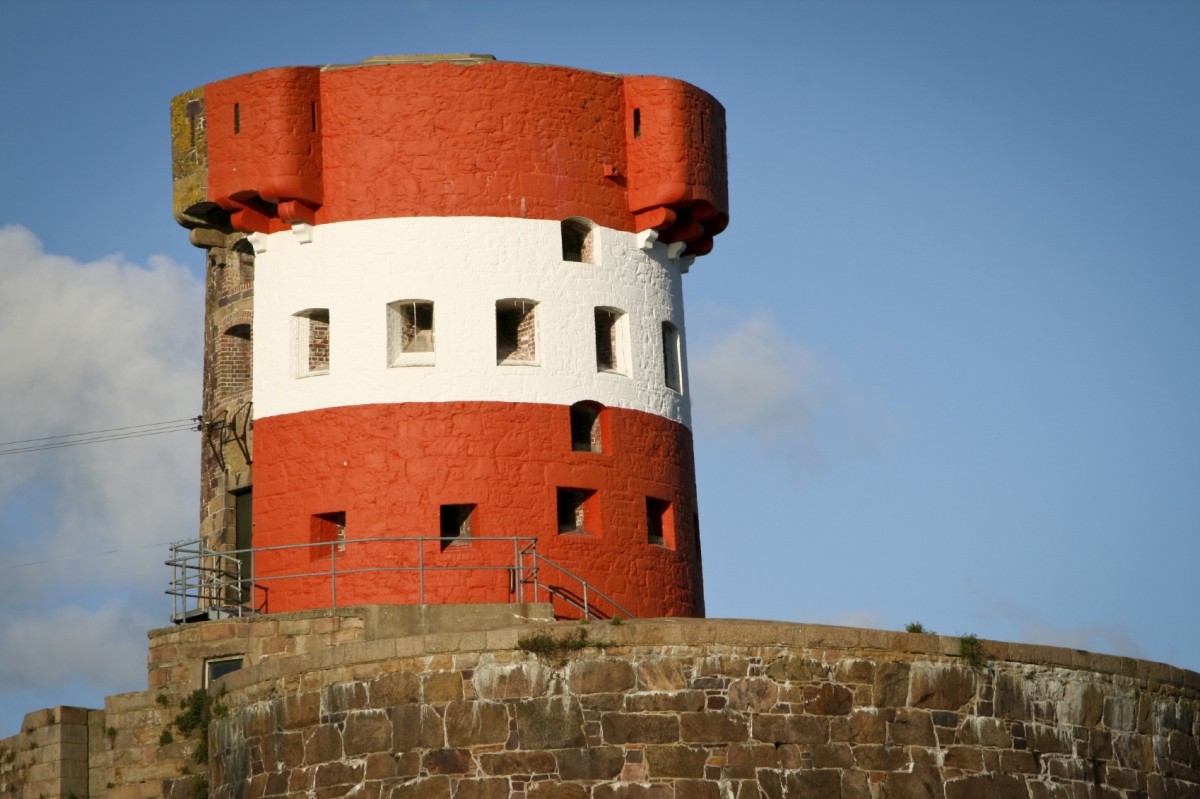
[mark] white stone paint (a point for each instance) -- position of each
(463, 265)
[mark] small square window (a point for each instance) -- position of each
(610, 323)
(217, 668)
(410, 333)
(328, 528)
(456, 524)
(576, 510)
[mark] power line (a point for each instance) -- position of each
(99, 436)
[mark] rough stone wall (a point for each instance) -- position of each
(226, 403)
(706, 709)
(48, 757)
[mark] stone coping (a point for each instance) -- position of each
(668, 632)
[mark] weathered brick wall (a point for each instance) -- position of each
(706, 709)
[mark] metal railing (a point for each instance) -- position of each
(207, 583)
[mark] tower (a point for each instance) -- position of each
(445, 353)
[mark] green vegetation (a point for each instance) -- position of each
(917, 627)
(166, 738)
(198, 711)
(558, 649)
(970, 650)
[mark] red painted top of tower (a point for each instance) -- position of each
(467, 136)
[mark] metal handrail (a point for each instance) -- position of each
(207, 582)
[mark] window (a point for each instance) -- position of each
(410, 333)
(516, 334)
(576, 510)
(610, 326)
(577, 241)
(456, 524)
(585, 427)
(673, 373)
(243, 515)
(660, 522)
(310, 334)
(217, 668)
(328, 528)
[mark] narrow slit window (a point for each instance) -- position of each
(585, 427)
(576, 510)
(456, 524)
(659, 522)
(609, 326)
(577, 241)
(637, 123)
(310, 330)
(410, 332)
(328, 532)
(516, 331)
(672, 366)
(237, 118)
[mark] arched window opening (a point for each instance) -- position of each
(516, 331)
(234, 371)
(410, 332)
(610, 340)
(577, 241)
(585, 427)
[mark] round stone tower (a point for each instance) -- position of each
(457, 292)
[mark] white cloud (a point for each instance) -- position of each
(751, 380)
(89, 346)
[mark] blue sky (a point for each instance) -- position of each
(944, 359)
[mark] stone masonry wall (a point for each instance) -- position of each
(701, 709)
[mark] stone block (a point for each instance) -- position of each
(416, 727)
(367, 731)
(447, 761)
(679, 701)
(828, 699)
(911, 727)
(675, 761)
(698, 789)
(717, 727)
(442, 687)
(755, 694)
(516, 763)
(435, 787)
(987, 786)
(876, 757)
(891, 685)
(660, 675)
(771, 728)
(940, 686)
(600, 676)
(555, 722)
(482, 788)
(394, 689)
(323, 744)
(814, 783)
(476, 723)
(511, 680)
(593, 763)
(555, 790)
(627, 790)
(622, 728)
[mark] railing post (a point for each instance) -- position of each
(333, 572)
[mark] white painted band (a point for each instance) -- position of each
(463, 265)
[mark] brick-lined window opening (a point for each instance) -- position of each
(516, 331)
(234, 372)
(456, 524)
(672, 368)
(585, 427)
(608, 340)
(660, 522)
(311, 341)
(576, 510)
(577, 241)
(328, 528)
(410, 332)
